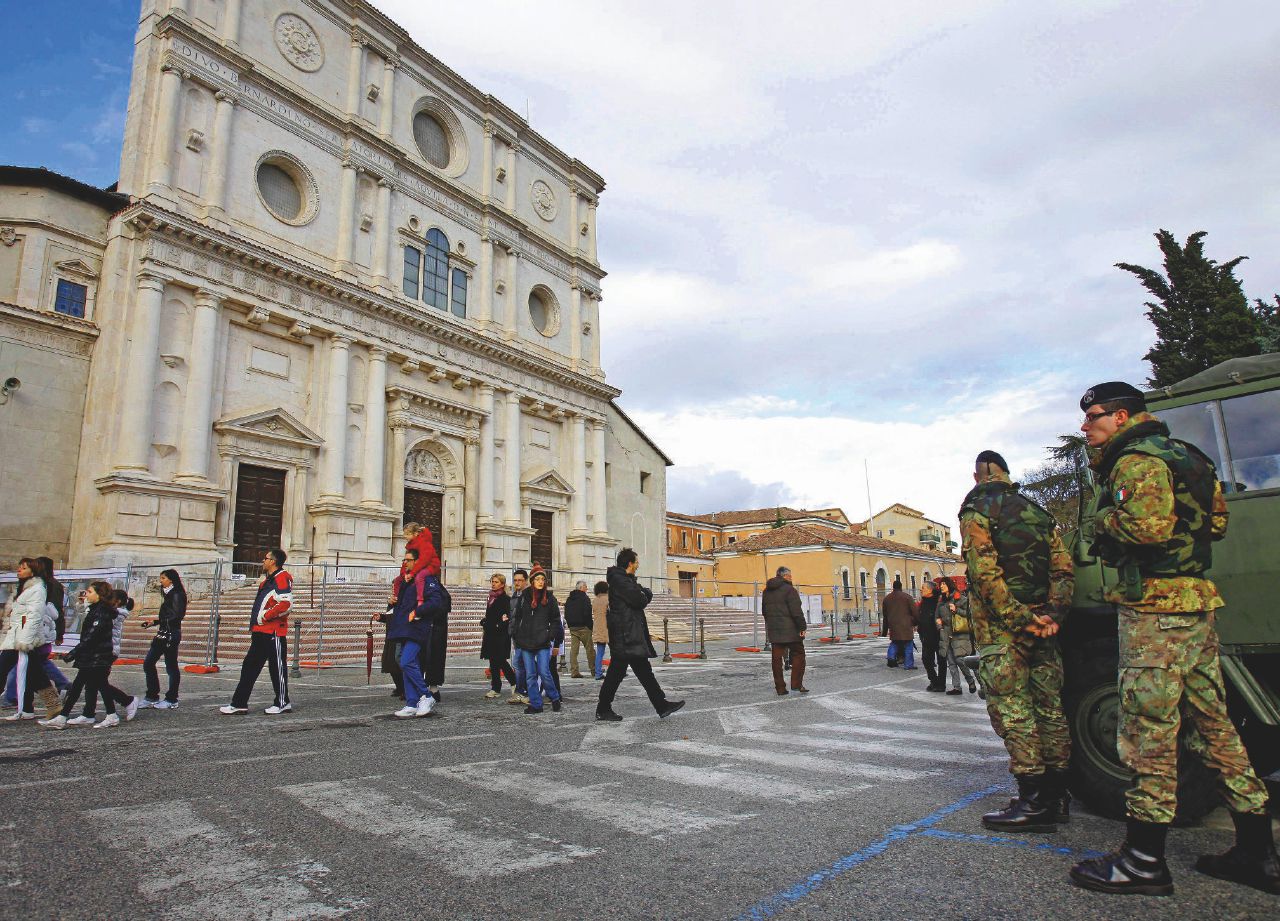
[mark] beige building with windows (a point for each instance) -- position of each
(338, 287)
(905, 525)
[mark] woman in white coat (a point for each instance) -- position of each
(29, 629)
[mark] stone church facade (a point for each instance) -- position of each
(339, 288)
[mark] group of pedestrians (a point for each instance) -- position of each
(942, 619)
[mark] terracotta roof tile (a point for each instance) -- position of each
(799, 535)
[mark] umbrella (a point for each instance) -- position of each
(368, 655)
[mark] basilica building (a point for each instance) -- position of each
(336, 288)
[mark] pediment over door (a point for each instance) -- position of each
(271, 425)
(549, 482)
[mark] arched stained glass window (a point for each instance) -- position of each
(435, 270)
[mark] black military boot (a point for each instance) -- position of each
(1253, 860)
(1137, 867)
(1056, 796)
(1027, 812)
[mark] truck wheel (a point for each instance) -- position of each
(1091, 699)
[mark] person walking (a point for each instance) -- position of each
(124, 606)
(578, 618)
(935, 662)
(600, 626)
(93, 658)
(519, 602)
(898, 622)
(437, 648)
(784, 628)
(629, 643)
(268, 633)
(1160, 510)
(955, 625)
(28, 635)
(495, 642)
(418, 599)
(56, 600)
(533, 632)
(168, 624)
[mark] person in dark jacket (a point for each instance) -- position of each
(496, 642)
(534, 632)
(577, 617)
(410, 622)
(629, 642)
(935, 660)
(93, 657)
(268, 635)
(168, 624)
(784, 627)
(433, 654)
(519, 602)
(899, 615)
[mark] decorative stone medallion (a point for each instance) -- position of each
(8, 236)
(299, 43)
(544, 200)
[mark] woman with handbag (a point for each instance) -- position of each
(164, 644)
(957, 633)
(29, 630)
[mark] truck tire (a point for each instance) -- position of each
(1091, 700)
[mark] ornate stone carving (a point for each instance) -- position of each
(195, 140)
(584, 229)
(410, 366)
(300, 329)
(257, 316)
(171, 361)
(500, 174)
(299, 43)
(8, 236)
(372, 92)
(423, 467)
(544, 200)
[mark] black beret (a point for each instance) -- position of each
(991, 457)
(1111, 390)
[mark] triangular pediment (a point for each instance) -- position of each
(76, 267)
(549, 481)
(273, 425)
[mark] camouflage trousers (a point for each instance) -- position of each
(1169, 671)
(1023, 680)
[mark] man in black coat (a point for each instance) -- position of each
(629, 643)
(577, 617)
(784, 627)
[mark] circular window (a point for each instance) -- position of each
(286, 188)
(432, 138)
(544, 312)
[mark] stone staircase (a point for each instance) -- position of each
(345, 609)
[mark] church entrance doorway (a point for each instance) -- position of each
(427, 509)
(259, 517)
(542, 541)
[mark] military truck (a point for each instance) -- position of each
(1231, 412)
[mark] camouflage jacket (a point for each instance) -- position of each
(998, 616)
(1141, 491)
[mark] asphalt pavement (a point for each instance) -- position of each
(860, 800)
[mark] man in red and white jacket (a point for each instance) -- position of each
(268, 638)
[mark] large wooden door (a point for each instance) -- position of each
(259, 517)
(427, 509)
(542, 542)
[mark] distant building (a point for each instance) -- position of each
(907, 526)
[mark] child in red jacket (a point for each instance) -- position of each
(419, 538)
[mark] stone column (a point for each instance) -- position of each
(511, 176)
(231, 23)
(166, 128)
(335, 428)
(137, 393)
(574, 236)
(399, 449)
(486, 178)
(375, 431)
(485, 478)
(510, 324)
(598, 501)
(223, 121)
(382, 233)
(470, 474)
(575, 326)
(512, 441)
(591, 231)
(578, 441)
(484, 303)
(178, 6)
(355, 75)
(347, 219)
(388, 96)
(197, 408)
(594, 320)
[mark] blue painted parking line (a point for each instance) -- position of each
(784, 899)
(997, 840)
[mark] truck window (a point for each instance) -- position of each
(1195, 423)
(1254, 437)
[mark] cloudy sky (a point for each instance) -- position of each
(836, 233)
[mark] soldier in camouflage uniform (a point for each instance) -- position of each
(1020, 583)
(1160, 510)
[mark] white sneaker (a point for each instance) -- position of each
(80, 721)
(131, 709)
(144, 704)
(229, 710)
(20, 716)
(407, 712)
(107, 722)
(165, 705)
(57, 722)
(274, 710)
(492, 695)
(425, 705)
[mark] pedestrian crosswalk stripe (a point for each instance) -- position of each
(201, 871)
(744, 719)
(936, 752)
(978, 722)
(795, 761)
(437, 834)
(601, 802)
(763, 787)
(941, 738)
(607, 735)
(843, 706)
